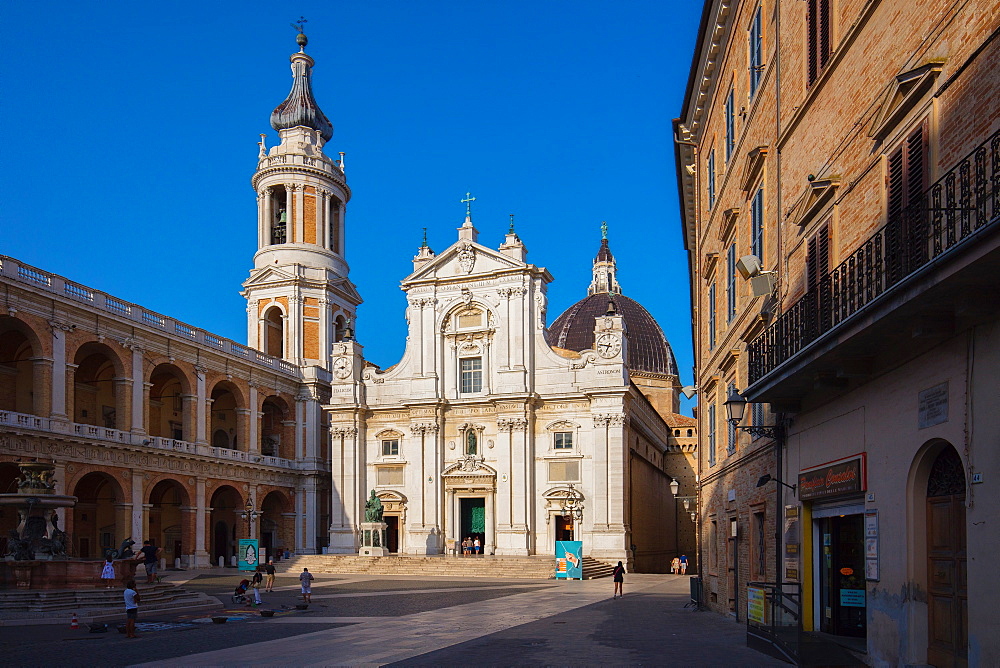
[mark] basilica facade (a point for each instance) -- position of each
(494, 425)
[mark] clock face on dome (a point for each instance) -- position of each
(608, 345)
(342, 367)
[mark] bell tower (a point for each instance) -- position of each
(299, 299)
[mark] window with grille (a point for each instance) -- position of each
(757, 225)
(562, 440)
(389, 475)
(711, 433)
(711, 178)
(390, 447)
(564, 471)
(472, 374)
(731, 283)
(760, 545)
(819, 41)
(756, 47)
(730, 123)
(711, 317)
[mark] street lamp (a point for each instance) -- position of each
(736, 406)
(571, 504)
(250, 513)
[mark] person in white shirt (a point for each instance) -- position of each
(306, 578)
(131, 609)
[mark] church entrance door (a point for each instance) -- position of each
(473, 519)
(391, 533)
(564, 527)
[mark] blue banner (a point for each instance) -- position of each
(248, 554)
(569, 559)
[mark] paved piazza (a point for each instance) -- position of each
(368, 620)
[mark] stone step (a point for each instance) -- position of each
(85, 602)
(485, 567)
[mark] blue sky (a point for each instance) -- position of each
(132, 134)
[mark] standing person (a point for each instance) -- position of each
(306, 578)
(466, 546)
(675, 566)
(476, 545)
(258, 578)
(150, 559)
(684, 564)
(619, 577)
(269, 575)
(108, 572)
(131, 609)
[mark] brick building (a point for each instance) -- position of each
(837, 164)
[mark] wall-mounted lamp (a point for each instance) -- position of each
(736, 406)
(767, 477)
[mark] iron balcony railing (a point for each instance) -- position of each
(953, 211)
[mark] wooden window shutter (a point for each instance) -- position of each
(907, 173)
(817, 258)
(818, 30)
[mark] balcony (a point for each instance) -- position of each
(923, 276)
(107, 435)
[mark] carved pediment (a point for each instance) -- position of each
(821, 192)
(464, 258)
(902, 97)
(469, 466)
(268, 275)
(753, 167)
(708, 266)
(729, 217)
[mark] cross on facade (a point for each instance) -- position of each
(469, 199)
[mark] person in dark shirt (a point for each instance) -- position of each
(269, 577)
(150, 559)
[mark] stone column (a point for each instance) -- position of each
(300, 418)
(123, 404)
(311, 508)
(140, 394)
(59, 406)
(144, 411)
(69, 380)
(616, 479)
(345, 489)
(312, 415)
(300, 212)
(290, 214)
(505, 444)
(243, 440)
(600, 508)
(191, 425)
(201, 517)
(123, 527)
(203, 405)
(41, 376)
(253, 421)
(139, 520)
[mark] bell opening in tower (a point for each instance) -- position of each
(279, 225)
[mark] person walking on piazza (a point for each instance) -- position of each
(675, 566)
(255, 583)
(269, 575)
(684, 564)
(306, 578)
(150, 559)
(619, 577)
(131, 609)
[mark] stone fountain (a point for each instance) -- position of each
(37, 550)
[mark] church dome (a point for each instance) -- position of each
(300, 107)
(647, 350)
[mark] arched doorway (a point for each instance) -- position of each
(95, 517)
(223, 425)
(276, 437)
(226, 505)
(167, 526)
(18, 349)
(276, 530)
(947, 593)
(273, 332)
(167, 408)
(94, 393)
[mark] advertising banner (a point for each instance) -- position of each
(248, 554)
(755, 605)
(569, 559)
(846, 476)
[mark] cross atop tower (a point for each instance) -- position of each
(469, 199)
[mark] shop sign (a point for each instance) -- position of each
(791, 541)
(755, 605)
(835, 479)
(871, 545)
(852, 598)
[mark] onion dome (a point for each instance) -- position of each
(647, 350)
(300, 108)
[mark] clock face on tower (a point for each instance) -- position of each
(342, 367)
(608, 345)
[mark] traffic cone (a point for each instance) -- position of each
(74, 623)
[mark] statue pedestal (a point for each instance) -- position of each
(373, 539)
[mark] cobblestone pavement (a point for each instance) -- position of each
(372, 620)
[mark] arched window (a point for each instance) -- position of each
(273, 332)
